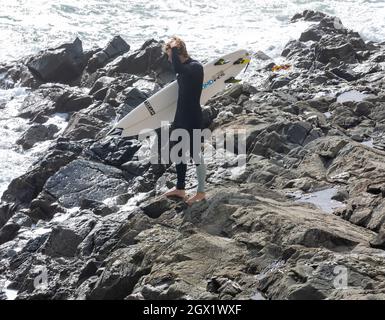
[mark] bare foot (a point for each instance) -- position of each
(198, 197)
(176, 193)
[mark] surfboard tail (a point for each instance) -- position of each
(232, 80)
(221, 62)
(242, 61)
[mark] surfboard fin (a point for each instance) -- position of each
(241, 61)
(246, 67)
(115, 132)
(221, 62)
(232, 80)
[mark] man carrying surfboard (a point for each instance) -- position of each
(188, 115)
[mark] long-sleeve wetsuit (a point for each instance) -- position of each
(190, 79)
(188, 112)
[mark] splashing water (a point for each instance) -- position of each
(209, 28)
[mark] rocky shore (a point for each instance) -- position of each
(87, 220)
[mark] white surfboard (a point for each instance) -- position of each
(161, 106)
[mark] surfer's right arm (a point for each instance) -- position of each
(179, 67)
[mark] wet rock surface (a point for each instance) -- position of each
(304, 219)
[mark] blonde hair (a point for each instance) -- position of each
(180, 45)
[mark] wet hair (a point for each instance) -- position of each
(181, 46)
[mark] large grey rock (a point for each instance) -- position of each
(147, 59)
(8, 232)
(379, 240)
(325, 52)
(311, 34)
(60, 64)
(37, 133)
(52, 98)
(65, 238)
(118, 279)
(85, 179)
(23, 189)
(115, 151)
(82, 126)
(308, 15)
(114, 48)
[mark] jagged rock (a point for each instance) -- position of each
(332, 43)
(115, 47)
(60, 64)
(23, 189)
(115, 151)
(88, 270)
(344, 52)
(6, 211)
(37, 133)
(101, 84)
(293, 47)
(8, 232)
(118, 279)
(51, 98)
(18, 73)
(81, 126)
(311, 34)
(148, 58)
(345, 117)
(109, 89)
(44, 207)
(378, 113)
(102, 111)
(156, 207)
(136, 168)
(308, 15)
(379, 240)
(298, 132)
(97, 207)
(102, 238)
(344, 74)
(82, 178)
(223, 286)
(363, 108)
(65, 238)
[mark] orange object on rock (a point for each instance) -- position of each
(281, 67)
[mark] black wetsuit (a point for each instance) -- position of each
(188, 112)
(190, 79)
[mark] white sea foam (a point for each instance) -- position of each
(322, 199)
(351, 95)
(210, 27)
(10, 294)
(14, 161)
(60, 119)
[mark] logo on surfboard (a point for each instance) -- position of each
(217, 76)
(149, 107)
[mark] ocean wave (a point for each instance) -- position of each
(209, 28)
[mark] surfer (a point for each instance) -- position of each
(188, 115)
